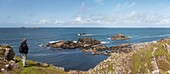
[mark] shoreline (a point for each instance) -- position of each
(135, 47)
(123, 62)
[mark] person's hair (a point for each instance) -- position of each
(24, 40)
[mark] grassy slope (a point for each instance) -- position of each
(32, 68)
(138, 61)
(146, 57)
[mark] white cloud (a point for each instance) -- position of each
(42, 22)
(132, 17)
(60, 22)
(100, 2)
(80, 20)
(124, 6)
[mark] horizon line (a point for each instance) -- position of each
(94, 27)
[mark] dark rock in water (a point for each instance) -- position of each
(95, 48)
(86, 42)
(81, 43)
(63, 44)
(119, 37)
(99, 47)
(82, 34)
(69, 45)
(91, 45)
(56, 44)
(122, 48)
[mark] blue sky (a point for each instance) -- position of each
(85, 13)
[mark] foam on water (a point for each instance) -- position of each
(75, 41)
(105, 42)
(166, 35)
(87, 35)
(109, 38)
(54, 41)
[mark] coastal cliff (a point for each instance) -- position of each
(11, 64)
(146, 58)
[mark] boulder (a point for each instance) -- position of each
(99, 47)
(13, 65)
(74, 72)
(7, 53)
(119, 37)
(42, 64)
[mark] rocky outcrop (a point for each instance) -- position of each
(86, 42)
(63, 44)
(7, 53)
(167, 48)
(101, 49)
(144, 58)
(7, 59)
(119, 37)
(121, 48)
(9, 64)
(91, 45)
(81, 43)
(95, 48)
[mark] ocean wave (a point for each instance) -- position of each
(75, 41)
(104, 42)
(132, 36)
(42, 45)
(40, 54)
(109, 38)
(86, 34)
(54, 41)
(128, 36)
(166, 35)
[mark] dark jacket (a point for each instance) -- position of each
(23, 48)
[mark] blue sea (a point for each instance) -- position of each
(74, 59)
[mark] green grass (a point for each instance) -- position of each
(146, 52)
(33, 68)
(139, 61)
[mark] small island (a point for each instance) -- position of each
(119, 37)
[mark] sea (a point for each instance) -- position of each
(74, 59)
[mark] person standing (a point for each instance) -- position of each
(23, 49)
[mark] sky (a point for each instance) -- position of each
(84, 13)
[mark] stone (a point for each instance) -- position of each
(60, 68)
(42, 64)
(73, 72)
(7, 53)
(13, 65)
